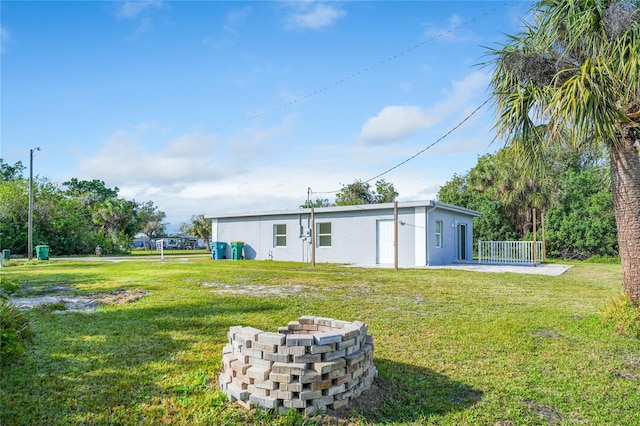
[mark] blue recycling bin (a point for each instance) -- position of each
(217, 250)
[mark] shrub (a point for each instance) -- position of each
(9, 286)
(624, 316)
(583, 224)
(15, 331)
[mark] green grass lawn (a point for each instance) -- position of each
(451, 347)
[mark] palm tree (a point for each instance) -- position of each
(200, 227)
(577, 69)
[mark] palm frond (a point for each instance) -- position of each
(587, 101)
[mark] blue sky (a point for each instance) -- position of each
(220, 107)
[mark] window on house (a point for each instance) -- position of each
(280, 235)
(438, 233)
(324, 234)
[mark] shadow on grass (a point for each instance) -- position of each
(407, 393)
(120, 366)
(43, 279)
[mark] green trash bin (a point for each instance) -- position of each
(236, 249)
(6, 254)
(42, 252)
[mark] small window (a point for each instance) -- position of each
(438, 233)
(324, 234)
(280, 235)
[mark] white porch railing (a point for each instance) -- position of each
(509, 252)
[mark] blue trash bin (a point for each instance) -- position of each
(217, 250)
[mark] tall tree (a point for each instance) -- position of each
(90, 192)
(199, 227)
(360, 192)
(9, 172)
(151, 221)
(355, 193)
(385, 192)
(117, 219)
(14, 202)
(577, 67)
(476, 190)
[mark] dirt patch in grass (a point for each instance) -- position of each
(120, 296)
(632, 371)
(547, 334)
(259, 290)
(69, 304)
(546, 413)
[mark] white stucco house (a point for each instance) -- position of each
(428, 233)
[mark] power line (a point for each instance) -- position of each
(362, 71)
(454, 128)
(436, 141)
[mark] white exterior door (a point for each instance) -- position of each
(384, 242)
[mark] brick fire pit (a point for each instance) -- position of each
(313, 365)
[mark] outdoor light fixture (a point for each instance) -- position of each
(30, 231)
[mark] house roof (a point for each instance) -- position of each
(183, 236)
(361, 207)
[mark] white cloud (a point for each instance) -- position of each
(132, 9)
(260, 188)
(193, 173)
(312, 15)
(124, 159)
(394, 123)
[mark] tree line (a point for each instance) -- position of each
(72, 218)
(570, 193)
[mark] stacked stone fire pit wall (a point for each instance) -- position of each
(312, 365)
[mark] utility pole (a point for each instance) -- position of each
(395, 235)
(313, 237)
(30, 237)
